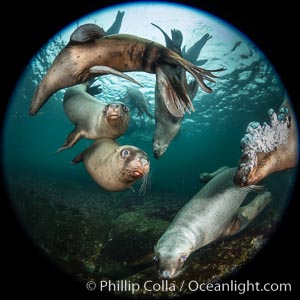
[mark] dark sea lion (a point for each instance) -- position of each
(167, 125)
(213, 213)
(115, 27)
(90, 53)
(193, 52)
(115, 167)
(269, 148)
(93, 119)
(137, 98)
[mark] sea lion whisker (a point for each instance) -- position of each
(145, 184)
(254, 188)
(179, 272)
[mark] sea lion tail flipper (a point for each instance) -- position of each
(104, 70)
(198, 73)
(173, 91)
(71, 140)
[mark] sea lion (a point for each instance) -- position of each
(115, 27)
(91, 53)
(167, 126)
(269, 148)
(137, 98)
(92, 118)
(213, 213)
(193, 52)
(206, 177)
(115, 167)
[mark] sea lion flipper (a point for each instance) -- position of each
(193, 89)
(248, 213)
(71, 140)
(77, 159)
(173, 92)
(86, 33)
(198, 73)
(94, 90)
(252, 209)
(169, 42)
(177, 39)
(104, 70)
(201, 62)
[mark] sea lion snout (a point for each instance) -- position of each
(159, 150)
(115, 111)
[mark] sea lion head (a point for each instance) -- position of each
(164, 133)
(265, 148)
(134, 165)
(171, 254)
(252, 169)
(116, 113)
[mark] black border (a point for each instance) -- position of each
(27, 25)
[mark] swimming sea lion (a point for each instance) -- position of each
(115, 167)
(213, 213)
(92, 118)
(167, 125)
(115, 27)
(90, 53)
(206, 177)
(269, 148)
(137, 98)
(193, 52)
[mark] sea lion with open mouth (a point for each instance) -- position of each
(115, 167)
(90, 53)
(213, 213)
(92, 118)
(269, 148)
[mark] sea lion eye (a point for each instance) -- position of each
(155, 258)
(183, 258)
(124, 153)
(125, 108)
(105, 108)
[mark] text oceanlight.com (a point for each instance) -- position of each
(193, 286)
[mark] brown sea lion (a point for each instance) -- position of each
(90, 53)
(269, 148)
(92, 118)
(213, 213)
(167, 126)
(115, 167)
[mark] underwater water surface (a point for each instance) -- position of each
(84, 229)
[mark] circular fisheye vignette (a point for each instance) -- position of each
(91, 255)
